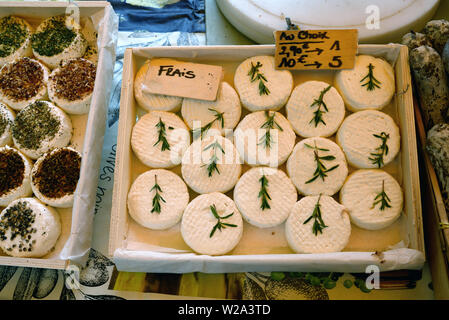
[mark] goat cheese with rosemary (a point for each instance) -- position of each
(369, 139)
(265, 196)
(318, 224)
(212, 224)
(373, 198)
(260, 85)
(317, 165)
(369, 85)
(7, 117)
(212, 117)
(15, 39)
(159, 139)
(157, 199)
(211, 165)
(315, 109)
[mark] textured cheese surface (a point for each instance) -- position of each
(358, 196)
(140, 199)
(300, 112)
(279, 83)
(356, 137)
(145, 134)
(198, 222)
(249, 140)
(196, 113)
(25, 48)
(48, 228)
(60, 139)
(301, 167)
(6, 114)
(333, 238)
(24, 190)
(280, 189)
(196, 160)
(357, 97)
(150, 101)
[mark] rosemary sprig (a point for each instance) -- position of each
(318, 114)
(321, 170)
(382, 198)
(162, 136)
(372, 83)
(266, 140)
(220, 225)
(212, 166)
(157, 197)
(255, 75)
(318, 224)
(264, 193)
(197, 132)
(378, 158)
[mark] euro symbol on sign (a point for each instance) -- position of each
(302, 58)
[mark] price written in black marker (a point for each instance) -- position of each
(316, 49)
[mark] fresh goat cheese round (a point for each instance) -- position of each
(211, 224)
(211, 165)
(7, 117)
(157, 199)
(56, 40)
(211, 117)
(315, 109)
(369, 139)
(317, 224)
(15, 39)
(159, 139)
(265, 196)
(264, 138)
(369, 85)
(373, 198)
(317, 165)
(41, 127)
(149, 101)
(28, 228)
(22, 82)
(260, 85)
(15, 170)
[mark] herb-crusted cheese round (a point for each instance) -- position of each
(211, 224)
(159, 139)
(211, 165)
(369, 139)
(157, 199)
(265, 196)
(329, 231)
(369, 85)
(15, 39)
(373, 198)
(315, 109)
(260, 85)
(7, 117)
(317, 165)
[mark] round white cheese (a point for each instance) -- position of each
(302, 167)
(149, 101)
(41, 127)
(157, 199)
(315, 109)
(211, 165)
(278, 192)
(8, 27)
(223, 113)
(299, 228)
(11, 192)
(373, 198)
(250, 138)
(7, 117)
(150, 149)
(37, 233)
(279, 84)
(354, 84)
(199, 222)
(362, 133)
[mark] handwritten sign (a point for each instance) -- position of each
(182, 79)
(315, 49)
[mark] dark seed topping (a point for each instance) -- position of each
(4, 120)
(54, 38)
(12, 35)
(12, 170)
